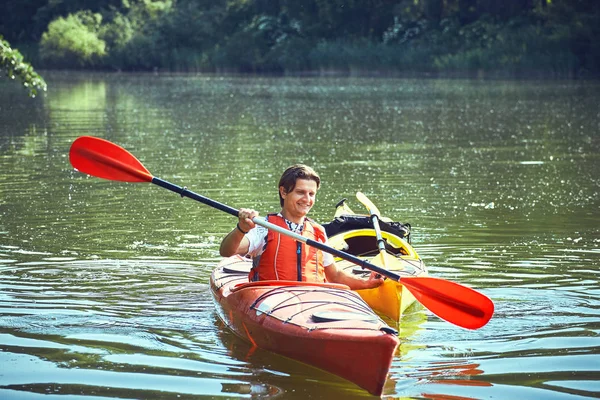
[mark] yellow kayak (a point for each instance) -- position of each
(354, 234)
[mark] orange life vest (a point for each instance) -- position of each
(286, 259)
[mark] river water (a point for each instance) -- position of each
(104, 285)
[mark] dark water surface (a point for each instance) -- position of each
(104, 285)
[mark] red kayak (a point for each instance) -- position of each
(324, 325)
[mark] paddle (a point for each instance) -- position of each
(437, 308)
(374, 214)
(450, 301)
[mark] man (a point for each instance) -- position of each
(277, 256)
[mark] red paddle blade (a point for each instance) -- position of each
(450, 301)
(103, 159)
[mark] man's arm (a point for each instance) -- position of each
(236, 241)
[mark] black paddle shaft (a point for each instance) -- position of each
(184, 192)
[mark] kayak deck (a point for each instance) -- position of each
(324, 325)
(392, 298)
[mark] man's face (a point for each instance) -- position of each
(300, 200)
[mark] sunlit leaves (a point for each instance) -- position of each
(12, 63)
(73, 40)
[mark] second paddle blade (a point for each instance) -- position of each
(103, 159)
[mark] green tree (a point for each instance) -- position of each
(73, 40)
(558, 36)
(141, 37)
(11, 61)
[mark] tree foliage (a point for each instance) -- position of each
(545, 36)
(73, 40)
(12, 63)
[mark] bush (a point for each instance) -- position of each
(249, 48)
(291, 54)
(117, 35)
(73, 41)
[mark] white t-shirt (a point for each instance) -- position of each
(258, 235)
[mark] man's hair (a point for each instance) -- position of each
(292, 174)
